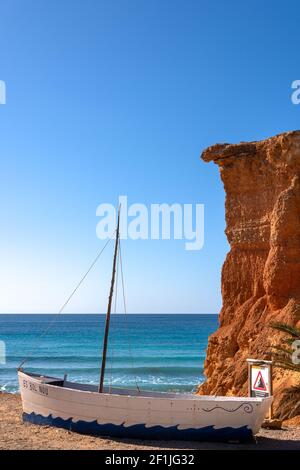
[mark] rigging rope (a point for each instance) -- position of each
(68, 300)
(126, 323)
(113, 323)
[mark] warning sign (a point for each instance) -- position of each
(259, 383)
(260, 378)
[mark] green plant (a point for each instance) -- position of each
(282, 354)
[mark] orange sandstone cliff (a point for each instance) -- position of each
(261, 273)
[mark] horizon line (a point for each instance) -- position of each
(101, 313)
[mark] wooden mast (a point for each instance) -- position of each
(105, 340)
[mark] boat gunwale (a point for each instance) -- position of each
(156, 395)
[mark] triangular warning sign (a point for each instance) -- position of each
(259, 383)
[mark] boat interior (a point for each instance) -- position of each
(58, 382)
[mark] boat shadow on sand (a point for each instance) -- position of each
(257, 443)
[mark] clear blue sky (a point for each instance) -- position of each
(120, 97)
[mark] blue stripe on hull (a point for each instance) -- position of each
(140, 431)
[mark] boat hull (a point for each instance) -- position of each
(146, 415)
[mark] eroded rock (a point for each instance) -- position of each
(261, 273)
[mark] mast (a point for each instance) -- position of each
(105, 340)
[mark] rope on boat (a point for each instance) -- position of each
(125, 311)
(119, 271)
(68, 300)
(113, 323)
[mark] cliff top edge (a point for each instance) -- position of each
(218, 152)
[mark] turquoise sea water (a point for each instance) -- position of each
(159, 352)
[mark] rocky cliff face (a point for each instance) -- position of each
(261, 273)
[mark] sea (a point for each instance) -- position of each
(159, 352)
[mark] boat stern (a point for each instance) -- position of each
(264, 410)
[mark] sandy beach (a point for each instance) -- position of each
(14, 434)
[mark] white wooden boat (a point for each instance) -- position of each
(143, 415)
(94, 410)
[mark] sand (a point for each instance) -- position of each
(14, 434)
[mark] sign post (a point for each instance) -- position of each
(260, 379)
